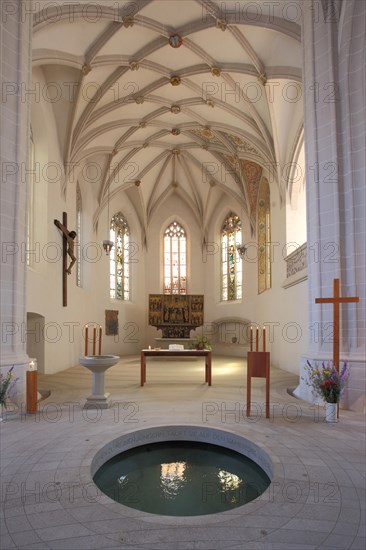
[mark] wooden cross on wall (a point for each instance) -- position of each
(67, 249)
(336, 301)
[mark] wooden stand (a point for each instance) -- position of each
(258, 366)
(32, 397)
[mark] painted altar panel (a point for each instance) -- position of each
(176, 315)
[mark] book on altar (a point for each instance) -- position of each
(176, 347)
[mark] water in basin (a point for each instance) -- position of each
(181, 478)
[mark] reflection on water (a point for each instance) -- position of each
(228, 480)
(181, 478)
(172, 478)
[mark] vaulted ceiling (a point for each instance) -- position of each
(188, 97)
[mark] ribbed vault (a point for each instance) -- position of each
(194, 98)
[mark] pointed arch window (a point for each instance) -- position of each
(78, 231)
(175, 259)
(231, 263)
(119, 258)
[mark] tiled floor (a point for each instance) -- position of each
(316, 500)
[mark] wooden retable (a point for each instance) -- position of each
(177, 353)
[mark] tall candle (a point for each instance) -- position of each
(86, 339)
(256, 339)
(100, 340)
(264, 338)
(251, 338)
(94, 339)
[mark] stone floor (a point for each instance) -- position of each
(316, 499)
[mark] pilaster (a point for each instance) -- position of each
(15, 68)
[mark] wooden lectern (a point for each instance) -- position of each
(258, 365)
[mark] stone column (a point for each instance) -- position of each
(15, 68)
(334, 119)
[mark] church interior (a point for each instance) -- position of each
(177, 170)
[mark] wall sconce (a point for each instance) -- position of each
(241, 248)
(107, 245)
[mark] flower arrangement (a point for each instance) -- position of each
(326, 381)
(201, 342)
(7, 384)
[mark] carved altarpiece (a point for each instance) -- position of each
(176, 315)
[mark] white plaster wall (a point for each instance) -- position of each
(63, 332)
(286, 308)
(173, 209)
(296, 202)
(215, 308)
(131, 314)
(282, 311)
(64, 326)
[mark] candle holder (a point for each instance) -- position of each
(94, 341)
(31, 391)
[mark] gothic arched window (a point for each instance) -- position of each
(231, 264)
(119, 261)
(175, 259)
(78, 231)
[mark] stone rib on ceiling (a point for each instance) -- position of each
(247, 134)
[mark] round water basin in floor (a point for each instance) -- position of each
(181, 478)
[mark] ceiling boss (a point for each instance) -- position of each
(175, 40)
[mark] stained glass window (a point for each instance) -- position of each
(119, 258)
(231, 264)
(78, 238)
(175, 259)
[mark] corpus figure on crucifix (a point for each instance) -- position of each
(70, 236)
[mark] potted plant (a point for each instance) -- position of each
(327, 383)
(201, 342)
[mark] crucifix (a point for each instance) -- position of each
(67, 249)
(336, 301)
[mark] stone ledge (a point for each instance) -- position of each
(214, 436)
(296, 267)
(295, 279)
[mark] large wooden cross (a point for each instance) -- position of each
(64, 262)
(336, 301)
(67, 249)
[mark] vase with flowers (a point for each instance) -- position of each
(201, 342)
(7, 383)
(327, 383)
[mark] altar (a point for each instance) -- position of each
(168, 353)
(164, 343)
